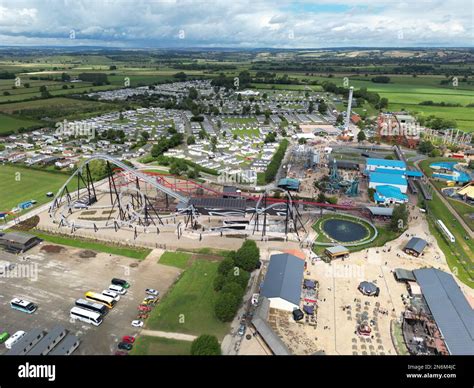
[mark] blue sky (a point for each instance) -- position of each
(237, 23)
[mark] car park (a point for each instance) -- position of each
(128, 338)
(152, 291)
(137, 323)
(125, 346)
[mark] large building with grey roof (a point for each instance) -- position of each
(450, 309)
(283, 280)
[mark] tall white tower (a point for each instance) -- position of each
(349, 109)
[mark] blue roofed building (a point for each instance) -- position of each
(373, 164)
(396, 180)
(283, 281)
(388, 195)
(449, 308)
(289, 184)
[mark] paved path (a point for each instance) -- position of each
(448, 205)
(166, 334)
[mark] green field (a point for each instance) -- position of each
(19, 184)
(464, 210)
(77, 242)
(189, 305)
(175, 259)
(240, 120)
(56, 108)
(405, 92)
(157, 346)
(10, 123)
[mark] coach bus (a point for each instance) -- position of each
(95, 307)
(23, 305)
(86, 316)
(99, 298)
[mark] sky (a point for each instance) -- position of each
(237, 23)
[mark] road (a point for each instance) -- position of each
(166, 334)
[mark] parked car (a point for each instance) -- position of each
(242, 330)
(125, 346)
(152, 291)
(118, 289)
(4, 336)
(111, 294)
(255, 299)
(121, 353)
(120, 282)
(128, 339)
(144, 308)
(137, 323)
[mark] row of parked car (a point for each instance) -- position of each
(149, 301)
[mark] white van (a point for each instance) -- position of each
(112, 294)
(14, 339)
(118, 289)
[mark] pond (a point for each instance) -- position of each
(344, 230)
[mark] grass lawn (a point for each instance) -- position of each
(76, 242)
(157, 346)
(189, 306)
(175, 259)
(464, 210)
(246, 132)
(240, 120)
(19, 184)
(11, 123)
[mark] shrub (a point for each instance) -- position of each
(226, 306)
(205, 345)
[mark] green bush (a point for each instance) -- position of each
(205, 345)
(226, 306)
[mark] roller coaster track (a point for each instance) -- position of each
(144, 177)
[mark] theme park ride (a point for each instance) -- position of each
(338, 184)
(128, 198)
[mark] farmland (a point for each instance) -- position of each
(9, 123)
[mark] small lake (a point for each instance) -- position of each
(344, 231)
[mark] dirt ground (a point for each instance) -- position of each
(55, 280)
(341, 305)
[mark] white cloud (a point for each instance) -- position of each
(240, 23)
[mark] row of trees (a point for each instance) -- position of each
(164, 144)
(274, 165)
(232, 279)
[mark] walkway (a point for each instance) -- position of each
(166, 334)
